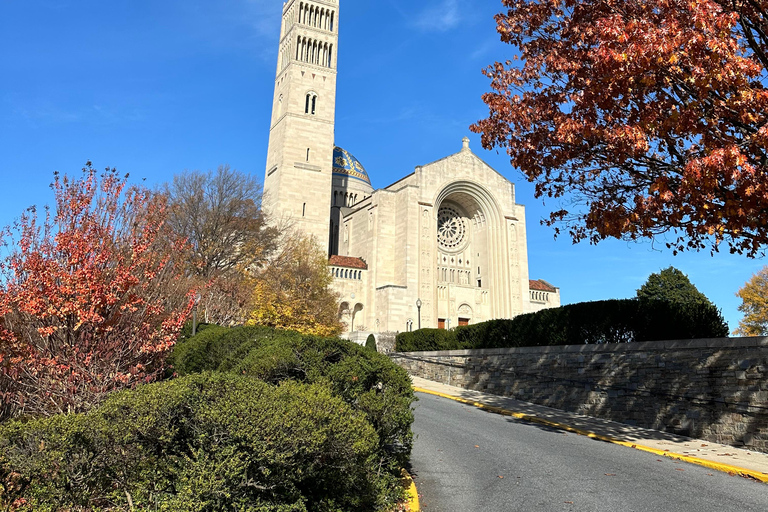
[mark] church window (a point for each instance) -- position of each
(310, 103)
(304, 210)
(452, 232)
(479, 283)
(333, 15)
(307, 154)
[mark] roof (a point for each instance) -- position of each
(348, 262)
(541, 286)
(345, 164)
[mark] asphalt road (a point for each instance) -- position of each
(466, 459)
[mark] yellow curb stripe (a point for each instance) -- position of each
(411, 493)
(725, 468)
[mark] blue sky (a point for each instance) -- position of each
(156, 87)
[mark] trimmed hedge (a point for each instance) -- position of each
(369, 381)
(609, 321)
(206, 442)
(257, 420)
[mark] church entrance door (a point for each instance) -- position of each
(463, 321)
(441, 323)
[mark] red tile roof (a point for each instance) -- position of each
(347, 262)
(541, 286)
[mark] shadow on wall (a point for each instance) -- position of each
(715, 390)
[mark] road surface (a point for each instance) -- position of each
(466, 459)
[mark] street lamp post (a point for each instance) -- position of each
(418, 306)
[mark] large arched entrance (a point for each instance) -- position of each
(469, 272)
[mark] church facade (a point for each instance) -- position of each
(442, 247)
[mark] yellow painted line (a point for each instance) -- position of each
(725, 468)
(411, 493)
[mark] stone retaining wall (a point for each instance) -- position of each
(715, 389)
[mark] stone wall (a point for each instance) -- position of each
(715, 389)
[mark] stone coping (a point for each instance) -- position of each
(643, 346)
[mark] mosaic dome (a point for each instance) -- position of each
(344, 164)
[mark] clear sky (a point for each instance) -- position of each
(154, 87)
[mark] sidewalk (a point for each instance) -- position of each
(712, 455)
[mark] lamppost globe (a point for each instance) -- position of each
(418, 307)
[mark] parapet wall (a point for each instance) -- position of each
(713, 389)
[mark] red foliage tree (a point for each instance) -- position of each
(644, 116)
(91, 298)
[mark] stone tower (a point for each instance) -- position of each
(298, 182)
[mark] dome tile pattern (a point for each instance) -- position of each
(344, 164)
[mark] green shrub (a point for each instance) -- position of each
(609, 321)
(425, 340)
(661, 320)
(220, 348)
(368, 381)
(370, 343)
(206, 442)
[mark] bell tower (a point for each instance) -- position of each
(298, 181)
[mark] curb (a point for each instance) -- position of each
(725, 468)
(412, 495)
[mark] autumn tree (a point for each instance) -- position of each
(220, 214)
(642, 117)
(293, 289)
(92, 295)
(754, 297)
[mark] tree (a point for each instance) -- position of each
(220, 214)
(754, 297)
(92, 296)
(292, 290)
(370, 343)
(643, 117)
(672, 306)
(671, 285)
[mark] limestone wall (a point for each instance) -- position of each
(715, 390)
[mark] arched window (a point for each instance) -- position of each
(310, 105)
(304, 210)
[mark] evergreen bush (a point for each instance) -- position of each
(608, 321)
(206, 442)
(370, 343)
(368, 381)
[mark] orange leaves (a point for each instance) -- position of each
(648, 116)
(91, 297)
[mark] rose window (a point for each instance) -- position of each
(451, 228)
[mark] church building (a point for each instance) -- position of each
(442, 247)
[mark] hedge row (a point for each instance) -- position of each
(367, 380)
(206, 442)
(257, 420)
(610, 321)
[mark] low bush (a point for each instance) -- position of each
(610, 321)
(368, 381)
(206, 442)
